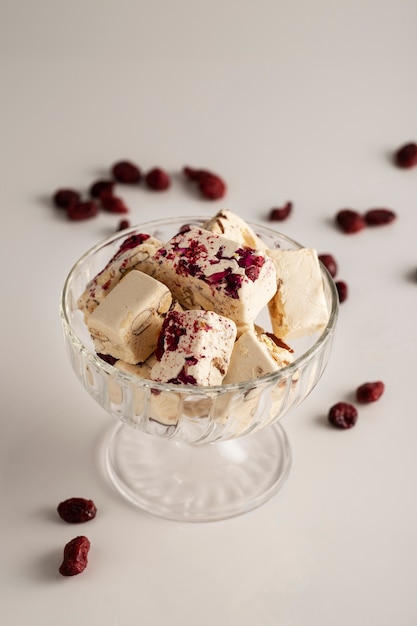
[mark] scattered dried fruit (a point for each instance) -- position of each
(101, 187)
(64, 198)
(123, 224)
(82, 210)
(370, 392)
(350, 221)
(210, 185)
(329, 263)
(77, 510)
(406, 156)
(278, 214)
(343, 415)
(378, 217)
(157, 179)
(126, 172)
(75, 556)
(342, 290)
(113, 204)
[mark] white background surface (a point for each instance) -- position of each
(288, 100)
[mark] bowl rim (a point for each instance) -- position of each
(271, 378)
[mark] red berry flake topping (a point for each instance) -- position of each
(77, 510)
(157, 179)
(406, 156)
(170, 334)
(279, 214)
(101, 187)
(329, 263)
(370, 392)
(350, 221)
(211, 186)
(75, 556)
(64, 198)
(126, 172)
(131, 242)
(82, 210)
(113, 204)
(378, 217)
(342, 290)
(343, 415)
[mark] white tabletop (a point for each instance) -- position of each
(288, 101)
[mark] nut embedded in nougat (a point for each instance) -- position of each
(126, 324)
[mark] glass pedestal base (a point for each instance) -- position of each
(197, 483)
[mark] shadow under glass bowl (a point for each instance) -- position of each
(188, 452)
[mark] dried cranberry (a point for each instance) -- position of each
(77, 510)
(82, 210)
(123, 224)
(75, 556)
(126, 172)
(370, 392)
(111, 360)
(342, 290)
(101, 187)
(64, 198)
(350, 221)
(157, 179)
(210, 185)
(343, 415)
(329, 263)
(406, 156)
(378, 217)
(113, 204)
(279, 214)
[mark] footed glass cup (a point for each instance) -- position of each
(188, 452)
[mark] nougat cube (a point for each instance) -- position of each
(299, 306)
(194, 348)
(127, 323)
(255, 355)
(207, 271)
(133, 253)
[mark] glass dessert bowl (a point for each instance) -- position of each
(188, 452)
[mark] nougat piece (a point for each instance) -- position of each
(255, 355)
(211, 272)
(194, 348)
(141, 370)
(299, 306)
(126, 324)
(132, 254)
(233, 227)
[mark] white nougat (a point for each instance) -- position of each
(133, 253)
(299, 306)
(207, 271)
(194, 348)
(126, 324)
